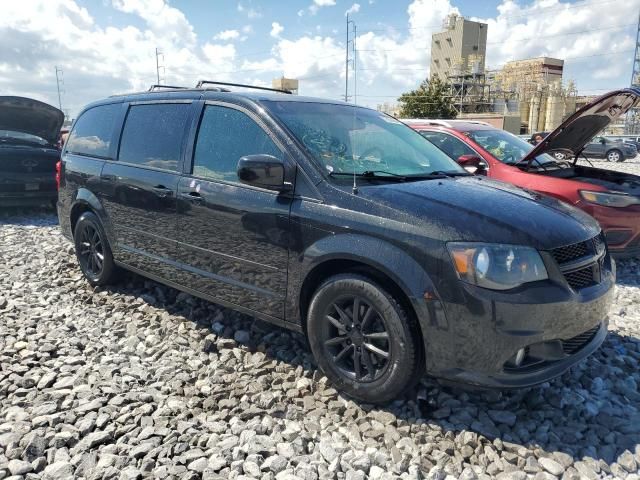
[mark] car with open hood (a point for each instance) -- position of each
(29, 132)
(341, 223)
(613, 198)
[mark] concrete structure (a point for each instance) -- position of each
(526, 75)
(460, 49)
(508, 122)
(282, 83)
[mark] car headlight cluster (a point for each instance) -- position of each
(496, 266)
(609, 199)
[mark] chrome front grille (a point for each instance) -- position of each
(581, 263)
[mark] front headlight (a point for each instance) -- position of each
(609, 199)
(496, 266)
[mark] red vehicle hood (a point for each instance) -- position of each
(578, 130)
(26, 115)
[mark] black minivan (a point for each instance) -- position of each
(342, 223)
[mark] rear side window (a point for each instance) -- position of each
(448, 144)
(224, 136)
(92, 133)
(153, 134)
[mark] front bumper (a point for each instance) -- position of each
(621, 227)
(484, 330)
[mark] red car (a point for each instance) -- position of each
(613, 198)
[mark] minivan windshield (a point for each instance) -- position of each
(505, 146)
(349, 139)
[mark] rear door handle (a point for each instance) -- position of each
(162, 191)
(193, 197)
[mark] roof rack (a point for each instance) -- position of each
(208, 82)
(153, 88)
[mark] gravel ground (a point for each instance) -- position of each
(631, 165)
(140, 380)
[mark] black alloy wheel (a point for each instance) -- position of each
(356, 339)
(363, 340)
(93, 251)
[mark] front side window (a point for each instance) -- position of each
(225, 135)
(350, 139)
(153, 134)
(92, 132)
(448, 144)
(505, 146)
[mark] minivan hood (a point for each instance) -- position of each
(30, 116)
(478, 209)
(576, 131)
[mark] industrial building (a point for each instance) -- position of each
(459, 49)
(537, 84)
(282, 83)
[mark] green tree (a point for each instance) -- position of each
(430, 100)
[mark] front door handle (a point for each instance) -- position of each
(162, 191)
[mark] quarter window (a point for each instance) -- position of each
(225, 135)
(92, 133)
(153, 134)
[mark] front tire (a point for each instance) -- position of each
(93, 250)
(615, 156)
(362, 339)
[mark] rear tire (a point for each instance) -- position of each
(615, 156)
(93, 250)
(373, 356)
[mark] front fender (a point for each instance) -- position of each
(380, 255)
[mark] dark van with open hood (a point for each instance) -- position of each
(342, 223)
(29, 130)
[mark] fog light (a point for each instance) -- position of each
(519, 357)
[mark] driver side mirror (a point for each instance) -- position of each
(264, 171)
(471, 163)
(603, 141)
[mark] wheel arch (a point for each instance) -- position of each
(87, 201)
(392, 268)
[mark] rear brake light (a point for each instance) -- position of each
(58, 170)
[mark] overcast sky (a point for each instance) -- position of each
(108, 46)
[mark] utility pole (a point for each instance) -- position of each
(355, 65)
(347, 59)
(158, 66)
(59, 80)
(631, 124)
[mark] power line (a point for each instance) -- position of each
(502, 64)
(550, 9)
(518, 40)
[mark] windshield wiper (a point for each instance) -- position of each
(377, 174)
(445, 173)
(384, 175)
